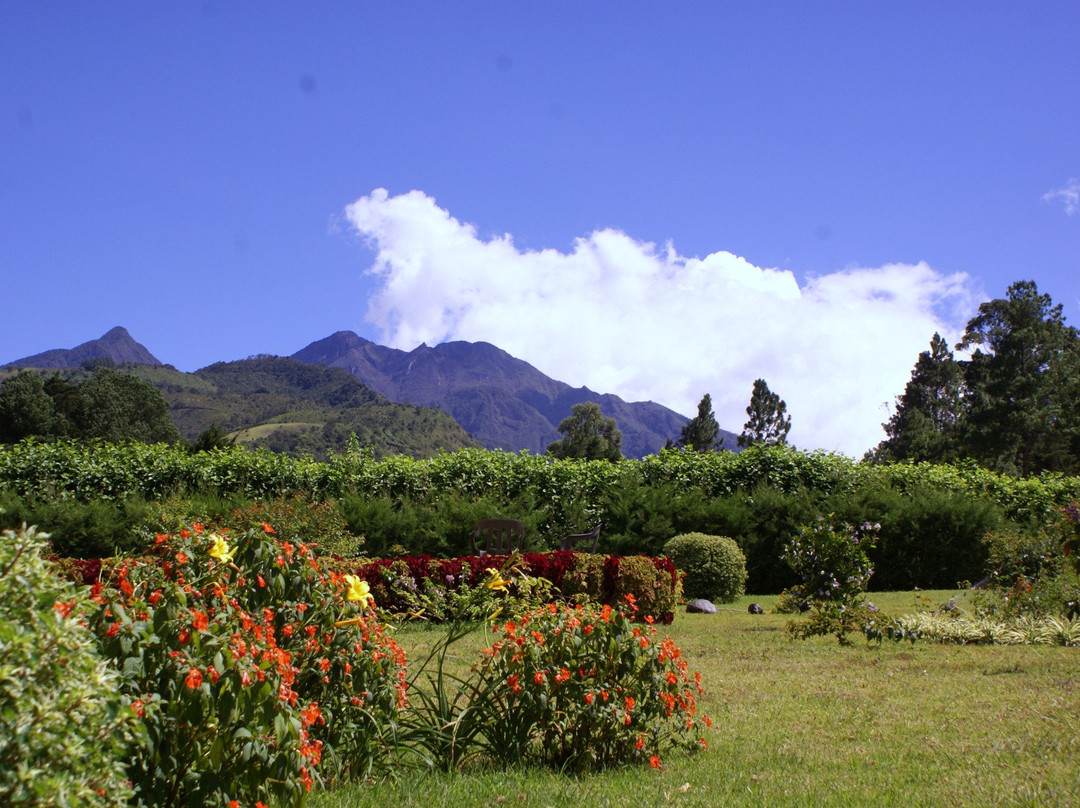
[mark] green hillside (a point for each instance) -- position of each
(287, 406)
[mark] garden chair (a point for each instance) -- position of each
(501, 536)
(568, 542)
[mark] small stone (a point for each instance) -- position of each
(700, 606)
(755, 608)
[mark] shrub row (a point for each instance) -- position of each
(433, 587)
(103, 498)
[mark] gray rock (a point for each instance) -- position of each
(700, 606)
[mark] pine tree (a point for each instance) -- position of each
(769, 422)
(925, 425)
(1022, 383)
(701, 433)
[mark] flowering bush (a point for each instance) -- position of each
(63, 726)
(247, 664)
(587, 686)
(442, 589)
(833, 565)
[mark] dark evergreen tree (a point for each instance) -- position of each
(116, 406)
(212, 438)
(109, 405)
(25, 408)
(701, 433)
(926, 421)
(769, 422)
(1022, 382)
(588, 435)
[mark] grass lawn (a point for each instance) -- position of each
(811, 723)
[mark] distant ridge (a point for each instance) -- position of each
(116, 344)
(503, 402)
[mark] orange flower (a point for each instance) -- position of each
(311, 715)
(640, 743)
(63, 608)
(654, 761)
(194, 678)
(138, 707)
(181, 558)
(199, 621)
(268, 530)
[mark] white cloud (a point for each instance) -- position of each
(1069, 196)
(626, 317)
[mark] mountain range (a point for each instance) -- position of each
(501, 402)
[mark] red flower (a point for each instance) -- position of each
(268, 530)
(181, 558)
(199, 621)
(138, 707)
(63, 608)
(654, 761)
(194, 678)
(538, 677)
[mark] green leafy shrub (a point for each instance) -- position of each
(64, 727)
(832, 561)
(80, 529)
(584, 687)
(713, 566)
(249, 664)
(1031, 571)
(930, 537)
(584, 581)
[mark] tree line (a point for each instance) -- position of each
(1012, 404)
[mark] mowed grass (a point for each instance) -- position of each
(812, 723)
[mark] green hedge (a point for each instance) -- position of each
(933, 517)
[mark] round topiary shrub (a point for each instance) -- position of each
(714, 567)
(64, 727)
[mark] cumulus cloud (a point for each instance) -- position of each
(1069, 196)
(644, 322)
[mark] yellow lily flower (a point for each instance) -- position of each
(358, 590)
(496, 581)
(220, 549)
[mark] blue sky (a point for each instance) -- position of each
(656, 200)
